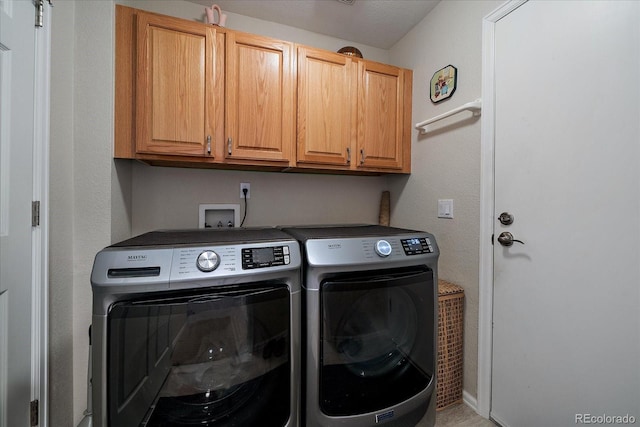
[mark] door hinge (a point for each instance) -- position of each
(34, 412)
(39, 4)
(39, 13)
(35, 213)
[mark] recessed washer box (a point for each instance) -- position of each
(219, 216)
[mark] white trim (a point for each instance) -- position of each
(40, 234)
(485, 297)
(5, 165)
(4, 339)
(469, 400)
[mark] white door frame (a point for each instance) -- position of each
(487, 198)
(40, 234)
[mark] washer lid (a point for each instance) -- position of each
(210, 236)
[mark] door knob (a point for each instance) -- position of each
(506, 218)
(506, 239)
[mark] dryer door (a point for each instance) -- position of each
(377, 339)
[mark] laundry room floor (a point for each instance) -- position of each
(460, 416)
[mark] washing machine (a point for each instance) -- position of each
(197, 327)
(369, 325)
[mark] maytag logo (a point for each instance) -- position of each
(384, 416)
(334, 246)
(136, 258)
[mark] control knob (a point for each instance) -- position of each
(383, 248)
(208, 261)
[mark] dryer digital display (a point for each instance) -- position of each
(417, 246)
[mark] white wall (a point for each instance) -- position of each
(61, 217)
(192, 11)
(169, 197)
(81, 190)
(446, 163)
(96, 201)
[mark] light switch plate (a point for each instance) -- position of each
(445, 208)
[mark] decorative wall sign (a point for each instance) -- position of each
(443, 83)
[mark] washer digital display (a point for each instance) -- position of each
(265, 257)
(262, 255)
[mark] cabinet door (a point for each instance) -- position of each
(175, 86)
(326, 107)
(260, 121)
(380, 116)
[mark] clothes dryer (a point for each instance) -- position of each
(369, 325)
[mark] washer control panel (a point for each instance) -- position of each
(191, 263)
(417, 246)
(270, 256)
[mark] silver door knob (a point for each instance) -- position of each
(506, 239)
(505, 218)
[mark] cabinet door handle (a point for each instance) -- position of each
(229, 145)
(362, 156)
(209, 144)
(348, 155)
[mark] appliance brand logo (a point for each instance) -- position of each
(136, 258)
(384, 416)
(334, 246)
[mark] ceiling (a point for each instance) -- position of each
(377, 23)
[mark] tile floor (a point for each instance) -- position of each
(460, 416)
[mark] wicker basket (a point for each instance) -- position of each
(450, 344)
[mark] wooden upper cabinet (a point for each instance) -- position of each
(175, 78)
(326, 107)
(192, 94)
(353, 114)
(382, 124)
(259, 100)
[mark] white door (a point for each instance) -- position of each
(17, 65)
(566, 308)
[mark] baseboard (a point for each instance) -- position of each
(472, 403)
(469, 400)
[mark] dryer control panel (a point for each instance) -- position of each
(417, 246)
(380, 250)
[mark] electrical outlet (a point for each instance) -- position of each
(244, 185)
